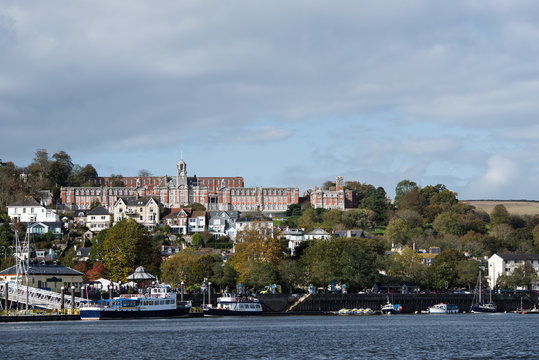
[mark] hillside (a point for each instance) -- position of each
(516, 207)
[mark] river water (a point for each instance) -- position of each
(463, 336)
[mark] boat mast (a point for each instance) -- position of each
(22, 264)
(480, 287)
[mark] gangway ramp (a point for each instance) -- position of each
(37, 298)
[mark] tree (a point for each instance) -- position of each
(293, 210)
(223, 274)
(467, 271)
(95, 203)
(60, 169)
(197, 207)
(260, 274)
(535, 234)
(196, 239)
(87, 175)
(97, 271)
(402, 188)
(125, 246)
(500, 215)
(255, 244)
(309, 220)
(448, 222)
(290, 273)
(358, 218)
(6, 238)
(144, 173)
(407, 266)
(525, 275)
(116, 180)
(399, 232)
(412, 200)
(83, 268)
(445, 268)
(328, 184)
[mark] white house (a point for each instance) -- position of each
(41, 228)
(98, 219)
(505, 264)
(197, 222)
(294, 237)
(28, 210)
(318, 234)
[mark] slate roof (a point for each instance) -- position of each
(353, 233)
(43, 269)
(318, 232)
(519, 257)
(53, 224)
(26, 201)
(100, 210)
(84, 252)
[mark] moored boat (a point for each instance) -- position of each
(232, 304)
(443, 308)
(157, 302)
(478, 306)
(388, 308)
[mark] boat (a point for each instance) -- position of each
(388, 308)
(158, 301)
(443, 308)
(533, 310)
(231, 304)
(478, 306)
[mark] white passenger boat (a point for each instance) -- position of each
(443, 308)
(157, 302)
(232, 304)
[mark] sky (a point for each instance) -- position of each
(286, 94)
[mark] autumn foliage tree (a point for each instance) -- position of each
(257, 256)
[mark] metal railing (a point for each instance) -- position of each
(38, 297)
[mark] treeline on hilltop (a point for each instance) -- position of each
(43, 173)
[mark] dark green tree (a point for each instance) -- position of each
(402, 188)
(500, 215)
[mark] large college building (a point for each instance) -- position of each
(215, 193)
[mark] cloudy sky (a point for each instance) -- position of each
(282, 93)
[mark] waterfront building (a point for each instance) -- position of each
(47, 276)
(505, 264)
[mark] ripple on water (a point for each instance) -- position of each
(499, 336)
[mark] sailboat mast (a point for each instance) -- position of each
(480, 287)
